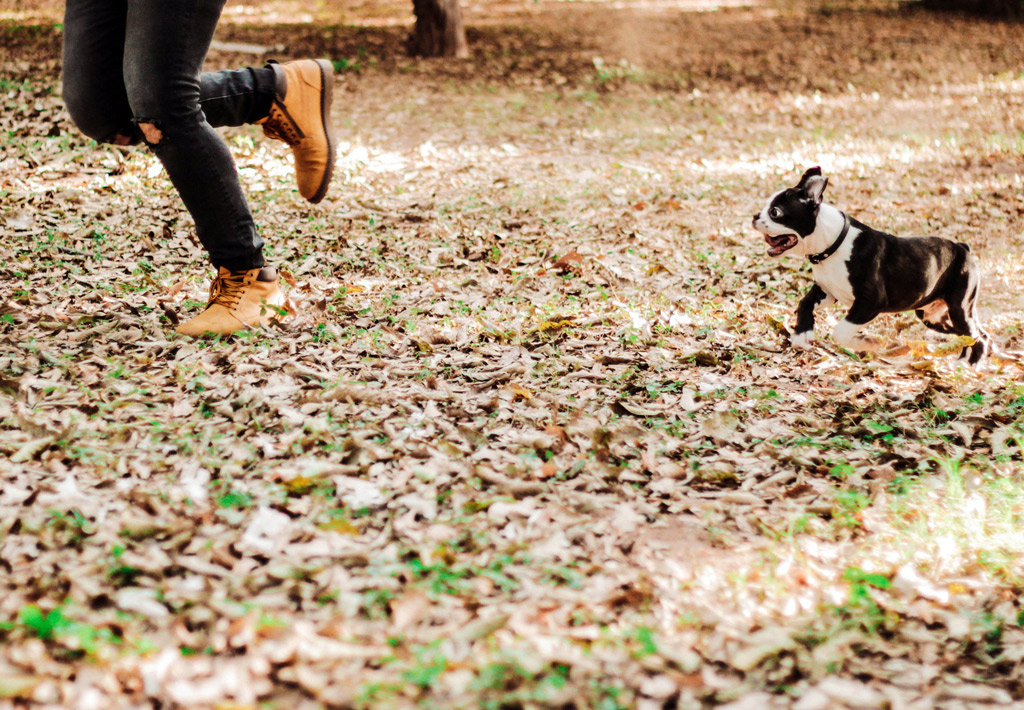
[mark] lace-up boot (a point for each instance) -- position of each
(238, 300)
(301, 117)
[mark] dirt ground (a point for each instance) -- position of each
(533, 435)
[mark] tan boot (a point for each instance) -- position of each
(301, 117)
(238, 300)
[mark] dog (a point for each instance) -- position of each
(870, 272)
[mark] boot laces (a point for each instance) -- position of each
(227, 290)
(281, 128)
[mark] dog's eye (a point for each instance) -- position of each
(775, 213)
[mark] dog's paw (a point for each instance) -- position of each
(802, 341)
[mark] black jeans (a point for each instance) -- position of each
(131, 62)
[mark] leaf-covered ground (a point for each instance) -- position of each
(534, 436)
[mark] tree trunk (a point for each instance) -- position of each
(995, 8)
(439, 31)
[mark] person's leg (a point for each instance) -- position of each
(94, 93)
(166, 42)
(293, 104)
(236, 97)
(133, 73)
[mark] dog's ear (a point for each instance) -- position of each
(814, 183)
(811, 172)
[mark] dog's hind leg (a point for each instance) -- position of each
(964, 317)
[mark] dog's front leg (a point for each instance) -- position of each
(805, 316)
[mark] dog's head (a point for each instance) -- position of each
(791, 214)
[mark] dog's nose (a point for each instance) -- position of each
(756, 215)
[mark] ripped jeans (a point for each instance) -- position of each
(133, 71)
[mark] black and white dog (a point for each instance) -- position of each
(870, 272)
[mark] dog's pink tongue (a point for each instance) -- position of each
(779, 244)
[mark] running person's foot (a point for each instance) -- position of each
(239, 300)
(301, 117)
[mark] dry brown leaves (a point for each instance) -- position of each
(533, 436)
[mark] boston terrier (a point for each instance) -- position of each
(870, 272)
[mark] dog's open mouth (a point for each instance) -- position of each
(780, 243)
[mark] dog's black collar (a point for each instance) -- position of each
(822, 255)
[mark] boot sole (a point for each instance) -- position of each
(326, 98)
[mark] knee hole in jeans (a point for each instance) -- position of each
(152, 134)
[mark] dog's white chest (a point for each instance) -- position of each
(832, 274)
